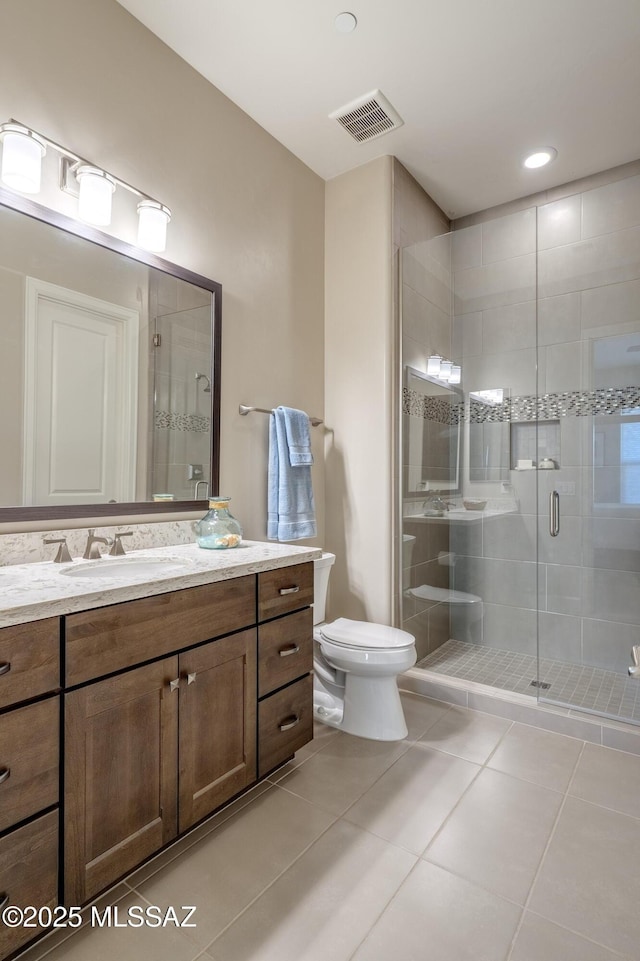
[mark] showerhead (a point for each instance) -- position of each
(207, 386)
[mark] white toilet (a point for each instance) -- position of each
(356, 665)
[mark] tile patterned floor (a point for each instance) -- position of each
(586, 688)
(475, 839)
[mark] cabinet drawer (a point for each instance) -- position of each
(29, 750)
(287, 589)
(28, 874)
(285, 650)
(32, 653)
(113, 638)
(285, 724)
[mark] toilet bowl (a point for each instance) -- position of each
(356, 665)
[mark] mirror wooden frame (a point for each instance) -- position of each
(36, 211)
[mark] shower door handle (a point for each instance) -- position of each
(554, 513)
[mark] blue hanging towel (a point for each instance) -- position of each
(291, 513)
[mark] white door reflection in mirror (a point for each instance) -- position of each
(80, 400)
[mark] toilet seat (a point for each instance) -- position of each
(361, 635)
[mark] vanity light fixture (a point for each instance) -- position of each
(433, 365)
(22, 153)
(94, 198)
(443, 370)
(540, 157)
(153, 218)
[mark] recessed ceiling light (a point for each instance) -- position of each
(540, 157)
(345, 23)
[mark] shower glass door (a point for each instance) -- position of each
(524, 575)
(589, 498)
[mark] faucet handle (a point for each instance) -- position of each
(62, 556)
(117, 550)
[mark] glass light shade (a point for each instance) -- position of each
(96, 191)
(152, 225)
(22, 154)
(433, 365)
(456, 374)
(445, 370)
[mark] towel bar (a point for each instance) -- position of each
(314, 421)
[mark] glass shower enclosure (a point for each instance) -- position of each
(520, 500)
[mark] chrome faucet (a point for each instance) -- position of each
(436, 502)
(92, 551)
(62, 556)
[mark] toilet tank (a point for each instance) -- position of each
(321, 571)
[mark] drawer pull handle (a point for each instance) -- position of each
(4, 900)
(174, 685)
(289, 722)
(286, 651)
(191, 678)
(5, 667)
(288, 590)
(4, 773)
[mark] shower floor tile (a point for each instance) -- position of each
(586, 688)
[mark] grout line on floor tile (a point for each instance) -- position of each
(269, 885)
(553, 830)
(584, 937)
(385, 909)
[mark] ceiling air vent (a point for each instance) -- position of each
(367, 117)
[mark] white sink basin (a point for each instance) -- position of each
(124, 568)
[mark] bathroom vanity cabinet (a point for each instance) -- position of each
(169, 705)
(29, 769)
(156, 745)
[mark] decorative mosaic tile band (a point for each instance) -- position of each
(575, 403)
(436, 409)
(171, 420)
(480, 413)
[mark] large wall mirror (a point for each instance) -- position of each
(109, 373)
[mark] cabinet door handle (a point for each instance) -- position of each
(286, 651)
(191, 678)
(5, 667)
(4, 773)
(289, 590)
(4, 900)
(174, 685)
(289, 722)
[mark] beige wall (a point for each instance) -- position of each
(245, 211)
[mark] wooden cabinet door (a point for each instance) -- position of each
(28, 875)
(217, 724)
(120, 775)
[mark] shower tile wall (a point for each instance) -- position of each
(588, 587)
(182, 409)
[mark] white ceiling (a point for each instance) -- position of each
(478, 83)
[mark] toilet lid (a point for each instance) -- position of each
(364, 634)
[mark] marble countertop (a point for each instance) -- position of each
(30, 592)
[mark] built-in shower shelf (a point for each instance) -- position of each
(534, 441)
